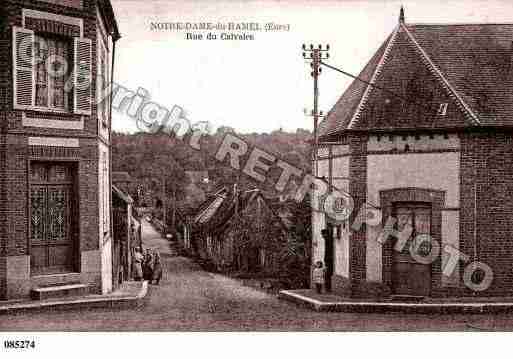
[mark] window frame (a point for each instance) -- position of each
(50, 81)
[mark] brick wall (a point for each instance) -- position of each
(486, 177)
(487, 169)
(13, 11)
(358, 190)
(15, 152)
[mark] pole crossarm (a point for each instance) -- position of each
(315, 54)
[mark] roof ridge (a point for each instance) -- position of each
(373, 79)
(432, 66)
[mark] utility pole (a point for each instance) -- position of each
(174, 209)
(164, 203)
(316, 55)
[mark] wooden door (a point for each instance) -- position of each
(51, 240)
(410, 277)
(329, 254)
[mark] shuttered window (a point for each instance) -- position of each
(49, 74)
(82, 76)
(23, 68)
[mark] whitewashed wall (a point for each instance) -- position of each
(437, 171)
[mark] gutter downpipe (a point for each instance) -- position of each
(115, 38)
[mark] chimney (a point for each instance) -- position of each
(401, 16)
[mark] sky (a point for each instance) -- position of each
(264, 84)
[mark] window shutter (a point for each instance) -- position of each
(23, 68)
(82, 83)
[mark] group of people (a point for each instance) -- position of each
(147, 266)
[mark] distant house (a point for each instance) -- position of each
(127, 235)
(239, 231)
(434, 150)
(123, 181)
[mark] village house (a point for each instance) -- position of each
(56, 57)
(425, 136)
(239, 232)
(126, 229)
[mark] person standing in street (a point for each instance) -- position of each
(147, 267)
(157, 269)
(137, 260)
(318, 276)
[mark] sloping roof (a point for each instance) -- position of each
(217, 211)
(208, 208)
(341, 114)
(468, 66)
(122, 195)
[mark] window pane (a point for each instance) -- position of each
(50, 85)
(41, 75)
(423, 222)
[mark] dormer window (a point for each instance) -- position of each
(442, 110)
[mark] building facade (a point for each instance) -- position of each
(56, 58)
(424, 143)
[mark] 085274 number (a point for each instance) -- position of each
(19, 344)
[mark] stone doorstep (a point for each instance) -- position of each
(124, 298)
(362, 306)
(56, 291)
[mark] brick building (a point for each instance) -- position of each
(430, 144)
(55, 228)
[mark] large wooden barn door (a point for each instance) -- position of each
(51, 198)
(408, 276)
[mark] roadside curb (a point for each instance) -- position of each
(384, 307)
(88, 302)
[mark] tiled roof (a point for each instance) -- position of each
(217, 211)
(122, 195)
(470, 67)
(341, 114)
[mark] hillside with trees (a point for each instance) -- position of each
(151, 159)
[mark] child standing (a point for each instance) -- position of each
(157, 269)
(319, 274)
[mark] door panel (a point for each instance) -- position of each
(408, 276)
(51, 191)
(58, 213)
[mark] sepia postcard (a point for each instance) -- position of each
(255, 166)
